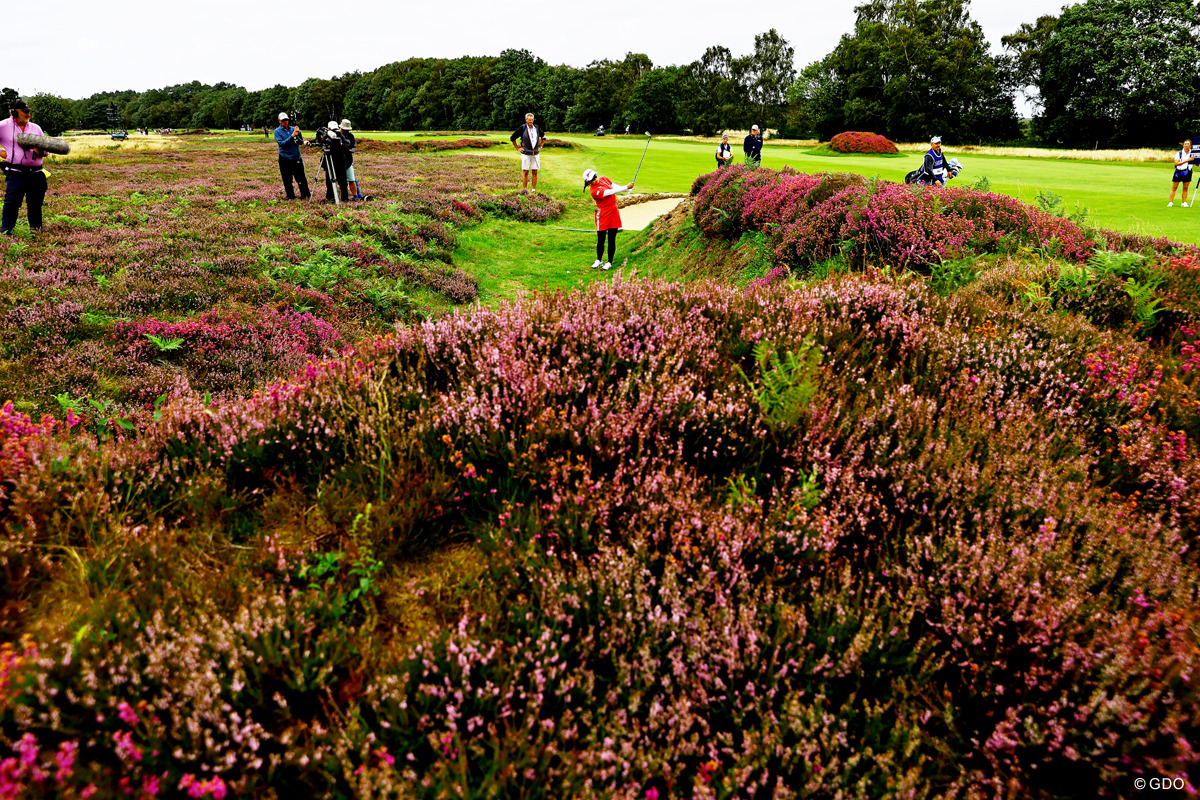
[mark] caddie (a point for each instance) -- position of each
(933, 169)
(528, 141)
(24, 180)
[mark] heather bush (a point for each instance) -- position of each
(124, 249)
(859, 142)
(812, 218)
(771, 543)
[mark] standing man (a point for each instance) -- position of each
(752, 147)
(933, 168)
(23, 176)
(291, 164)
(530, 146)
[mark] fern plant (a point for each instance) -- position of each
(163, 344)
(786, 381)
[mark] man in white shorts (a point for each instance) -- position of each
(528, 141)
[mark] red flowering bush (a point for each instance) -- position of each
(859, 142)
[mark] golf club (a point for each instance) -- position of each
(639, 166)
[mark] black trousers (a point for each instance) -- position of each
(27, 187)
(612, 243)
(338, 163)
(289, 170)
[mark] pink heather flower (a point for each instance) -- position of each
(88, 791)
(150, 785)
(65, 757)
(127, 714)
(652, 794)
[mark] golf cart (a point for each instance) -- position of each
(120, 135)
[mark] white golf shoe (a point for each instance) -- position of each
(1183, 204)
(607, 265)
(1170, 204)
(596, 264)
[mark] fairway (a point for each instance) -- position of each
(1122, 196)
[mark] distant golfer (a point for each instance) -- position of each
(1183, 173)
(608, 217)
(724, 152)
(752, 146)
(530, 146)
(24, 180)
(291, 163)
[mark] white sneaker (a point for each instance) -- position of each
(1170, 204)
(1183, 204)
(607, 266)
(596, 264)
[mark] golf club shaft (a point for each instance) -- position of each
(639, 166)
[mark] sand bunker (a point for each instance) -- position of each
(638, 217)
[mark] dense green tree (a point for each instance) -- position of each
(1119, 71)
(652, 102)
(53, 114)
(709, 95)
(1027, 45)
(518, 88)
(816, 101)
(770, 71)
(912, 68)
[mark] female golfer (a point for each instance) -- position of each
(608, 218)
(1183, 172)
(724, 151)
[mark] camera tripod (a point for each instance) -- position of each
(330, 175)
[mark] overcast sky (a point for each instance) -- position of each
(74, 48)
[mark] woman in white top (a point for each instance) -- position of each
(724, 151)
(1183, 172)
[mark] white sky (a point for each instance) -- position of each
(74, 48)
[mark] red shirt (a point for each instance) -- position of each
(607, 215)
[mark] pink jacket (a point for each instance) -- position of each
(8, 140)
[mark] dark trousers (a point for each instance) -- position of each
(611, 234)
(28, 187)
(338, 163)
(289, 169)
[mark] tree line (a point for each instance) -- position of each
(1116, 72)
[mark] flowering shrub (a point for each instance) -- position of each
(814, 217)
(859, 142)
(711, 525)
(122, 251)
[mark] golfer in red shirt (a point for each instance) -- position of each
(608, 218)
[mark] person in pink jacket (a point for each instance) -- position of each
(24, 180)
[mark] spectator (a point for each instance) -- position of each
(531, 142)
(333, 161)
(724, 152)
(608, 217)
(752, 147)
(24, 180)
(291, 163)
(350, 143)
(1183, 173)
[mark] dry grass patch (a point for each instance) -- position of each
(1142, 155)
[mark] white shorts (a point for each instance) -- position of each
(530, 162)
(350, 172)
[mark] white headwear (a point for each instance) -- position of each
(333, 126)
(589, 175)
(282, 116)
(345, 124)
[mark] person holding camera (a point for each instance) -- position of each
(291, 163)
(531, 142)
(333, 161)
(24, 180)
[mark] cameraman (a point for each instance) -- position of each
(291, 163)
(24, 179)
(333, 159)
